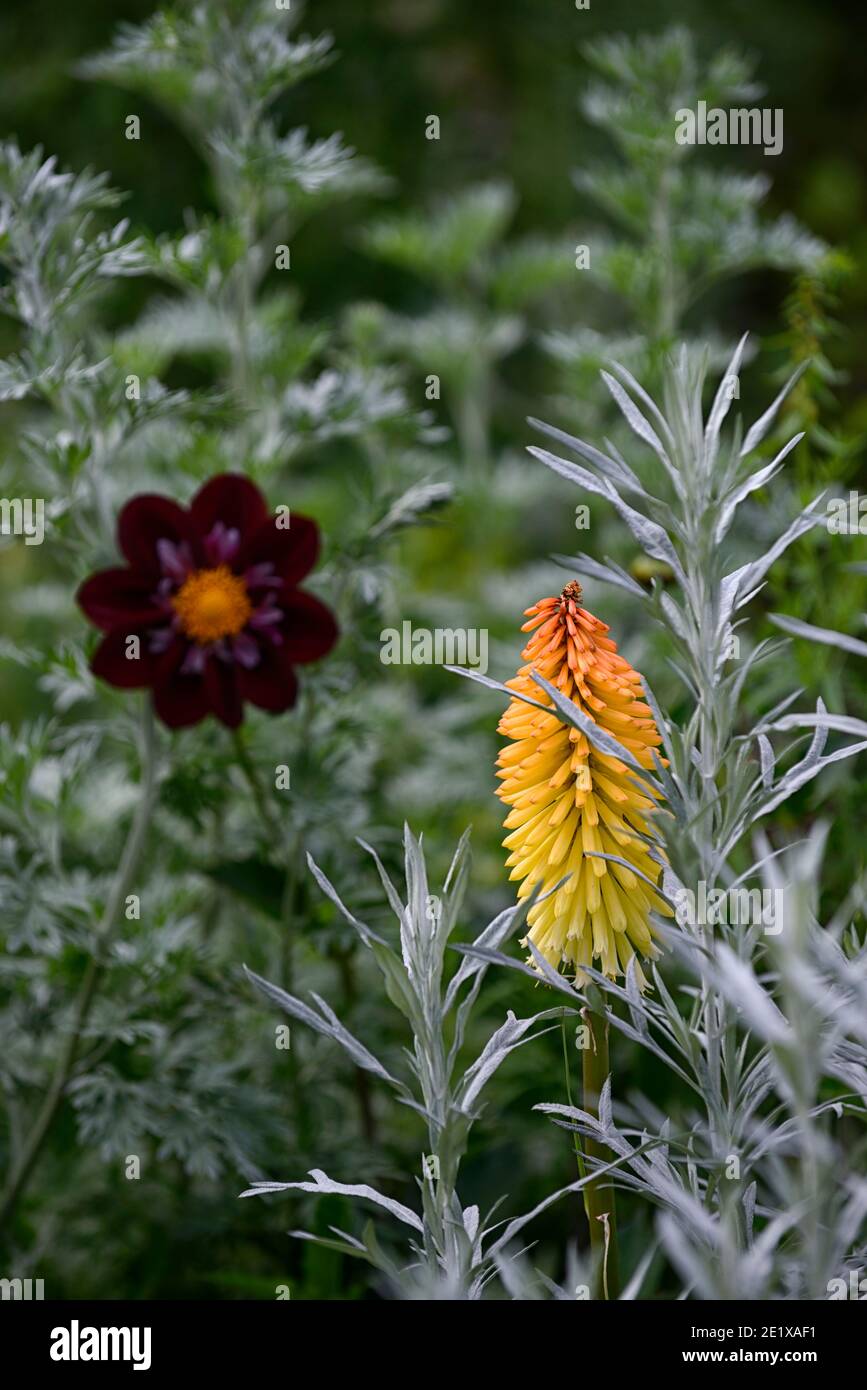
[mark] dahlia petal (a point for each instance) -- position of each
(222, 544)
(118, 597)
(262, 576)
(292, 549)
(182, 701)
(232, 499)
(265, 617)
(245, 651)
(176, 561)
(227, 527)
(146, 520)
(169, 656)
(114, 662)
(309, 630)
(271, 685)
(224, 698)
(161, 638)
(194, 662)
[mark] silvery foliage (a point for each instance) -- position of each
(220, 70)
(672, 225)
(488, 289)
(94, 422)
(681, 225)
(825, 636)
(718, 782)
(69, 780)
(454, 1252)
(759, 1181)
(60, 252)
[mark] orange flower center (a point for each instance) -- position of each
(211, 604)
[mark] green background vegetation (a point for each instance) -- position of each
(506, 80)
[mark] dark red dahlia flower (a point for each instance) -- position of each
(208, 612)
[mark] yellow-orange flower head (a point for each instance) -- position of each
(569, 802)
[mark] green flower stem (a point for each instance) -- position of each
(262, 802)
(283, 846)
(132, 852)
(579, 1157)
(599, 1201)
(286, 848)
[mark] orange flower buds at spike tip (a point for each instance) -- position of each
(568, 802)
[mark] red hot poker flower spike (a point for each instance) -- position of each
(570, 804)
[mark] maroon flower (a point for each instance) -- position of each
(211, 593)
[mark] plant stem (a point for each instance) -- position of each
(346, 969)
(283, 846)
(260, 796)
(32, 1148)
(579, 1157)
(599, 1201)
(286, 848)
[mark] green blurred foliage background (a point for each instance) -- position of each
(505, 78)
